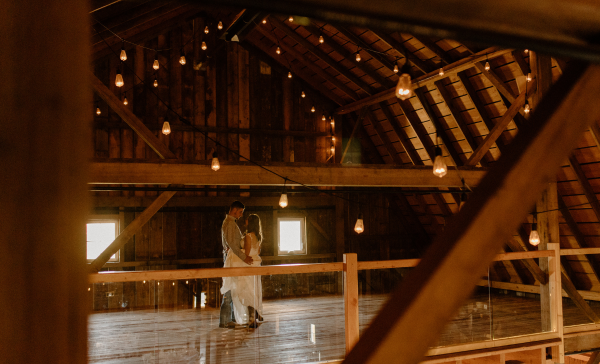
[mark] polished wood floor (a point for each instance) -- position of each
(286, 336)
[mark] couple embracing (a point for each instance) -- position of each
(242, 296)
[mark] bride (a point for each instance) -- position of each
(246, 291)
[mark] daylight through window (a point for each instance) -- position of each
(99, 236)
(291, 236)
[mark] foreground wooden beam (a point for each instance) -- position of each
(130, 231)
(129, 117)
(45, 113)
(167, 172)
(413, 318)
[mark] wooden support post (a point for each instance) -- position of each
(130, 230)
(549, 234)
(46, 113)
(351, 299)
(412, 319)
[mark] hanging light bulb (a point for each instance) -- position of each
(359, 227)
(332, 122)
(396, 68)
(98, 112)
(182, 60)
(463, 200)
(166, 130)
(125, 102)
(312, 109)
(119, 79)
(439, 165)
(291, 19)
(526, 51)
(323, 117)
(358, 57)
(278, 50)
(404, 87)
(290, 74)
(206, 30)
(529, 77)
(123, 55)
(487, 66)
(155, 64)
(303, 94)
(332, 148)
(264, 21)
(215, 165)
(333, 138)
(155, 82)
(441, 73)
(203, 46)
(534, 236)
(321, 39)
(283, 200)
(220, 25)
(526, 108)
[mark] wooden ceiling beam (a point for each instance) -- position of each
(426, 79)
(388, 145)
(505, 92)
(400, 48)
(355, 127)
(412, 319)
(365, 47)
(588, 190)
(436, 49)
(401, 134)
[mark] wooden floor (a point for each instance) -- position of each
(193, 336)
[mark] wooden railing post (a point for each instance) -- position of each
(554, 280)
(351, 300)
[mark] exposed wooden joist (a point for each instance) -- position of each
(129, 117)
(588, 190)
(436, 49)
(399, 47)
(405, 327)
(365, 47)
(401, 134)
(506, 93)
(357, 124)
(425, 80)
(231, 173)
(101, 202)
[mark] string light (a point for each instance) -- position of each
(359, 227)
(186, 282)
(123, 55)
(358, 57)
(125, 102)
(278, 50)
(215, 165)
(303, 95)
(155, 65)
(534, 236)
(323, 118)
(144, 282)
(173, 283)
(404, 87)
(119, 79)
(396, 68)
(264, 21)
(291, 19)
(332, 122)
(332, 138)
(529, 78)
(321, 39)
(527, 108)
(166, 129)
(206, 30)
(290, 74)
(182, 59)
(439, 165)
(89, 289)
(487, 64)
(98, 112)
(203, 46)
(220, 25)
(441, 73)
(283, 200)
(526, 51)
(312, 109)
(155, 82)
(332, 147)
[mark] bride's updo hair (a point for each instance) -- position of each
(254, 226)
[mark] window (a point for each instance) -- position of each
(291, 235)
(101, 232)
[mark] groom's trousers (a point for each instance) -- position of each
(226, 310)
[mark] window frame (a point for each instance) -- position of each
(97, 219)
(303, 239)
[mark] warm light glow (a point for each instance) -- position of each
(186, 282)
(155, 65)
(289, 74)
(215, 165)
(166, 130)
(312, 109)
(203, 46)
(182, 60)
(98, 112)
(264, 21)
(278, 50)
(323, 118)
(303, 94)
(396, 69)
(439, 165)
(441, 73)
(123, 55)
(283, 200)
(99, 236)
(206, 30)
(332, 148)
(155, 82)
(534, 237)
(291, 18)
(358, 57)
(119, 80)
(144, 282)
(487, 66)
(529, 77)
(290, 234)
(220, 25)
(527, 108)
(526, 51)
(321, 39)
(359, 227)
(173, 283)
(331, 121)
(89, 289)
(404, 87)
(125, 102)
(333, 139)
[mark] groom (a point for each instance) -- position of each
(231, 237)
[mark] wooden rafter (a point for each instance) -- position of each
(399, 47)
(355, 127)
(588, 190)
(405, 327)
(365, 47)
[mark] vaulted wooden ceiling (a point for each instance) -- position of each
(475, 113)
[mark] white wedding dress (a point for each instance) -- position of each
(246, 290)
